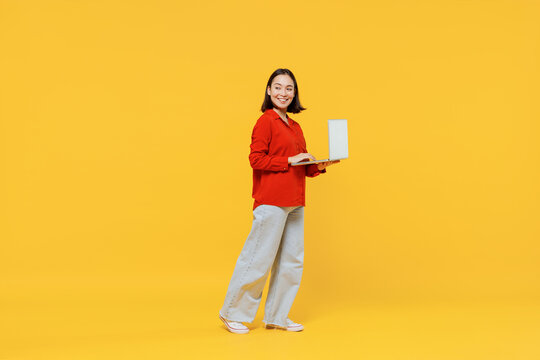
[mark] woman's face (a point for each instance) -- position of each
(281, 91)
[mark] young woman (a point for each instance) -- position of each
(276, 240)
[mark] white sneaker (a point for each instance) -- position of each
(291, 326)
(234, 327)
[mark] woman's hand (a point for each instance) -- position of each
(301, 157)
(325, 164)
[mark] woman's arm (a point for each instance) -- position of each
(260, 141)
(313, 170)
(320, 168)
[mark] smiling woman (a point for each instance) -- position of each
(282, 93)
(276, 240)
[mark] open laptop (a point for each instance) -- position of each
(338, 143)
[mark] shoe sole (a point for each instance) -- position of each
(233, 330)
(293, 329)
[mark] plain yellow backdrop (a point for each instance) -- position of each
(125, 130)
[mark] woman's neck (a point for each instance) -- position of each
(282, 114)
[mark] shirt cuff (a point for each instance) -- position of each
(282, 162)
(313, 170)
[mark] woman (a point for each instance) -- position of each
(276, 240)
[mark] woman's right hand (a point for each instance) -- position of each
(301, 157)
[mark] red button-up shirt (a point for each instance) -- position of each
(275, 182)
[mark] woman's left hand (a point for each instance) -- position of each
(325, 164)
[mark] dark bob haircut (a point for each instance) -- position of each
(295, 106)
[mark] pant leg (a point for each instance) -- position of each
(287, 270)
(254, 263)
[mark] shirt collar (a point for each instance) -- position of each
(275, 115)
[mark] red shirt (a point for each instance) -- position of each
(275, 182)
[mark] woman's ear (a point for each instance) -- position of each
(268, 91)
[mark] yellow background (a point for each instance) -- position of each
(126, 186)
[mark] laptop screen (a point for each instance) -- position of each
(337, 139)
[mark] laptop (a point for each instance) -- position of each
(338, 143)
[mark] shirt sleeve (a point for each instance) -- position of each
(312, 170)
(260, 142)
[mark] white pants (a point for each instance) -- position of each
(276, 242)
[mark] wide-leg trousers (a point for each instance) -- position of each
(276, 243)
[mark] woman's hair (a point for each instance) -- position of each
(295, 106)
